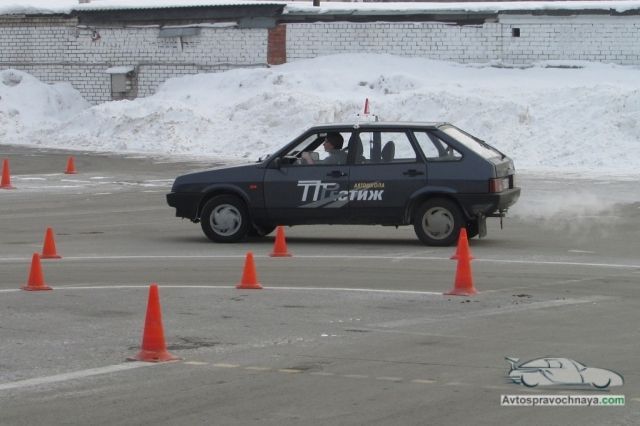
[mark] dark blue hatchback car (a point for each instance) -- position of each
(433, 176)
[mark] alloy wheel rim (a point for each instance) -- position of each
(438, 223)
(226, 220)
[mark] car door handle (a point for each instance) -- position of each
(413, 172)
(336, 173)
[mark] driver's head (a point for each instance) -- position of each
(335, 139)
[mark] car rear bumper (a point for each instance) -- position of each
(185, 203)
(489, 204)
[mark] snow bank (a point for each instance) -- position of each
(26, 104)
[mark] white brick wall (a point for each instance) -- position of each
(429, 40)
(597, 41)
(56, 49)
(598, 38)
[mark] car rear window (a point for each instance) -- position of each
(480, 148)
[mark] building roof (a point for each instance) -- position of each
(333, 8)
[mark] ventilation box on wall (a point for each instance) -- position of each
(121, 80)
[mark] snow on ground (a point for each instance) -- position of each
(580, 119)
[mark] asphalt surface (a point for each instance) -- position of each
(352, 329)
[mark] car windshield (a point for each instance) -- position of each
(479, 147)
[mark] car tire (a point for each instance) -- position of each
(225, 219)
(437, 222)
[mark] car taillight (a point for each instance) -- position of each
(498, 184)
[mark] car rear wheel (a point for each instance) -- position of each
(225, 219)
(437, 222)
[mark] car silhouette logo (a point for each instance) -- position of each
(560, 371)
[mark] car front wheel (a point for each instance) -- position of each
(225, 219)
(437, 222)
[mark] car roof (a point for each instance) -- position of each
(380, 124)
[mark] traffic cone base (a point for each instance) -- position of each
(36, 277)
(153, 347)
(43, 287)
(154, 356)
(249, 279)
(280, 246)
(49, 247)
(71, 166)
(5, 183)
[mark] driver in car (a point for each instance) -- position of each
(333, 145)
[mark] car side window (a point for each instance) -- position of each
(435, 149)
(313, 151)
(385, 148)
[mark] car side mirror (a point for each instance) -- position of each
(276, 163)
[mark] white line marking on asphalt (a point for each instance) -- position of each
(289, 370)
(367, 290)
(224, 287)
(355, 376)
(390, 379)
(196, 363)
(423, 381)
(74, 375)
(222, 365)
(393, 258)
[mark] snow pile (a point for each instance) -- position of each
(26, 104)
(579, 117)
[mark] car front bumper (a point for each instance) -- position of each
(185, 203)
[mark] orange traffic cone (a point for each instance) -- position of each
(6, 176)
(280, 246)
(36, 278)
(153, 347)
(249, 277)
(71, 166)
(49, 247)
(463, 285)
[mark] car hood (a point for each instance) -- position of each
(223, 174)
